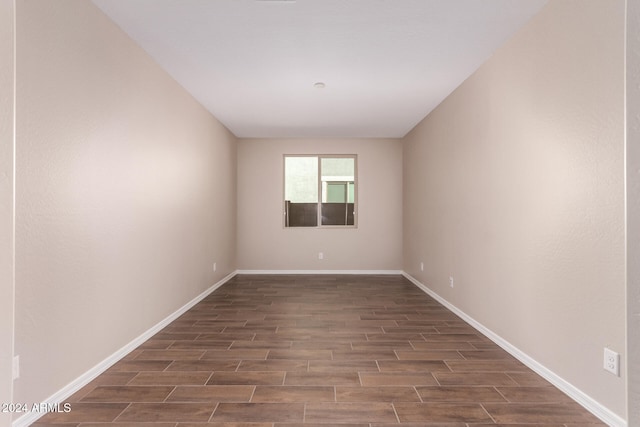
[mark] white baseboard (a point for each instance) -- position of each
(590, 404)
(74, 386)
(363, 272)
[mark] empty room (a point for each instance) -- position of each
(276, 213)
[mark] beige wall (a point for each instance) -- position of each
(633, 210)
(514, 186)
(6, 202)
(125, 194)
(263, 242)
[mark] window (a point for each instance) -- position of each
(319, 191)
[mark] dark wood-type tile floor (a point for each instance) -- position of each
(286, 351)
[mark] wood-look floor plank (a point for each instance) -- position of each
(314, 351)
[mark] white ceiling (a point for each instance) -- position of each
(386, 63)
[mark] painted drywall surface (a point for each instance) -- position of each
(125, 194)
(6, 203)
(514, 186)
(633, 210)
(263, 242)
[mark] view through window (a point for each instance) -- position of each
(319, 190)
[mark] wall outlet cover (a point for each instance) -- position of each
(611, 361)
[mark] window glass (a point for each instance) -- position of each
(301, 179)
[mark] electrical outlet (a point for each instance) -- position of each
(612, 362)
(451, 281)
(422, 266)
(215, 266)
(16, 367)
(320, 255)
